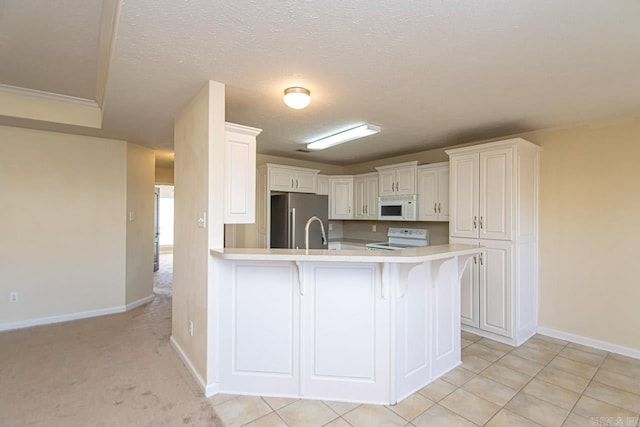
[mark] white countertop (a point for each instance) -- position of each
(412, 255)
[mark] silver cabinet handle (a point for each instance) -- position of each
(393, 185)
(475, 222)
(481, 261)
(397, 186)
(435, 208)
(292, 183)
(481, 226)
(439, 210)
(365, 208)
(349, 209)
(475, 259)
(296, 182)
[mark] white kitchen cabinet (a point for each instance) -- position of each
(494, 203)
(433, 192)
(398, 179)
(481, 193)
(322, 183)
(366, 196)
(470, 293)
(252, 328)
(486, 289)
(341, 197)
(292, 179)
(345, 333)
(240, 174)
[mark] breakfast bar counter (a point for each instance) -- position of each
(351, 325)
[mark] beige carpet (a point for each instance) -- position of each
(163, 278)
(116, 370)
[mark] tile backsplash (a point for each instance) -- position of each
(361, 230)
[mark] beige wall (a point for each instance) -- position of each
(62, 227)
(325, 169)
(140, 201)
(195, 127)
(589, 229)
(164, 176)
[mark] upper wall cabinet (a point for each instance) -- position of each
(397, 179)
(322, 185)
(341, 197)
(433, 192)
(240, 174)
(292, 179)
(481, 193)
(365, 196)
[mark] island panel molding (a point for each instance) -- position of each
(358, 326)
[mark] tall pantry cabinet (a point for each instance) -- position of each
(493, 195)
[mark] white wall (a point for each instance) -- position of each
(62, 224)
(140, 201)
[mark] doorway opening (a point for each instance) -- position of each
(163, 241)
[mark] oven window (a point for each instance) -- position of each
(391, 210)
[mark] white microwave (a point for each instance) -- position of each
(398, 208)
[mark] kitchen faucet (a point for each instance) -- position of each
(306, 231)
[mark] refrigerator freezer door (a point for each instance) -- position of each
(306, 206)
(280, 221)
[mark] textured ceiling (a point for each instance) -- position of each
(50, 46)
(430, 73)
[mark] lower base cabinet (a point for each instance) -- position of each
(498, 296)
(352, 331)
(345, 333)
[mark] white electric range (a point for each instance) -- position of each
(402, 238)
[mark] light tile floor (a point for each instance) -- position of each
(545, 382)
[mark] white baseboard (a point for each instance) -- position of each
(208, 389)
(61, 318)
(73, 316)
(140, 302)
(601, 345)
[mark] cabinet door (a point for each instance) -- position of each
(469, 294)
(406, 180)
(281, 180)
(322, 184)
(305, 182)
(495, 287)
(264, 354)
(341, 198)
(240, 179)
(371, 198)
(387, 182)
(428, 194)
(443, 194)
(495, 194)
(359, 194)
(463, 191)
(345, 333)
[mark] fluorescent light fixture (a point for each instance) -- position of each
(297, 97)
(348, 135)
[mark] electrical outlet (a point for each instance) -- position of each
(330, 227)
(132, 216)
(191, 327)
(13, 297)
(373, 227)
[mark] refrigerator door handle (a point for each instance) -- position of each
(293, 228)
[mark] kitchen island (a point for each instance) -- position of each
(351, 325)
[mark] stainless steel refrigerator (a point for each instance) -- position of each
(289, 215)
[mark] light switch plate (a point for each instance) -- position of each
(202, 220)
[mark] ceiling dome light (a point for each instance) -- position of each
(297, 97)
